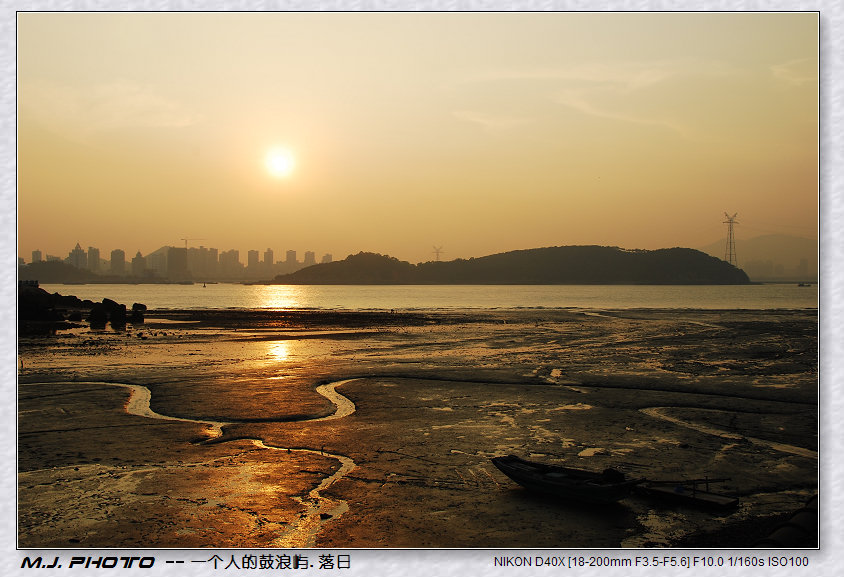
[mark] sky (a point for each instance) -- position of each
(399, 132)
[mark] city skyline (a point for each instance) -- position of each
(44, 255)
(398, 132)
(175, 263)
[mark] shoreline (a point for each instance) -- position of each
(444, 298)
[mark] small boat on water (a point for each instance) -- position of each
(687, 492)
(605, 487)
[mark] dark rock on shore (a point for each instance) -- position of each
(138, 311)
(40, 311)
(98, 317)
(116, 313)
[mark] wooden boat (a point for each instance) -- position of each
(687, 492)
(575, 484)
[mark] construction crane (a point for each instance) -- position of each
(187, 239)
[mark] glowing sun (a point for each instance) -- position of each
(279, 162)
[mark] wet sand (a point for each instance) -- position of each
(210, 429)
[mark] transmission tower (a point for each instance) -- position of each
(438, 250)
(730, 250)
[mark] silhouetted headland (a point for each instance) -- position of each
(552, 265)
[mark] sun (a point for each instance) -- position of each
(279, 162)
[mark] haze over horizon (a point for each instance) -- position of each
(396, 132)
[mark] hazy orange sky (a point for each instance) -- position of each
(477, 132)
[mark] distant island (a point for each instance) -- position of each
(551, 265)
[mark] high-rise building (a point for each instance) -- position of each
(291, 257)
(139, 265)
(230, 265)
(156, 262)
(310, 258)
(78, 257)
(177, 263)
(118, 262)
(212, 263)
(326, 258)
(252, 259)
(36, 256)
(268, 258)
(202, 262)
(93, 259)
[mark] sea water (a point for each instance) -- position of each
(448, 297)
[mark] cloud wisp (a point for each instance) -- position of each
(491, 122)
(796, 72)
(82, 113)
(624, 91)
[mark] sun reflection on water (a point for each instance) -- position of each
(278, 351)
(280, 297)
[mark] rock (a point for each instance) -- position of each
(138, 311)
(37, 306)
(117, 317)
(98, 316)
(34, 304)
(66, 301)
(116, 313)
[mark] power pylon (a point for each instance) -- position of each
(730, 250)
(438, 250)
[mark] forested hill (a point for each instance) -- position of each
(553, 265)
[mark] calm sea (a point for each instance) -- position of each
(236, 296)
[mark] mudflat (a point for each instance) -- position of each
(375, 429)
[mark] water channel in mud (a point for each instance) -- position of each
(317, 508)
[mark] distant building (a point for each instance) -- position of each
(212, 262)
(78, 257)
(93, 259)
(326, 258)
(36, 256)
(268, 258)
(202, 262)
(230, 265)
(310, 258)
(177, 264)
(139, 265)
(291, 257)
(252, 259)
(118, 262)
(157, 261)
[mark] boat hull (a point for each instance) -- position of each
(566, 483)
